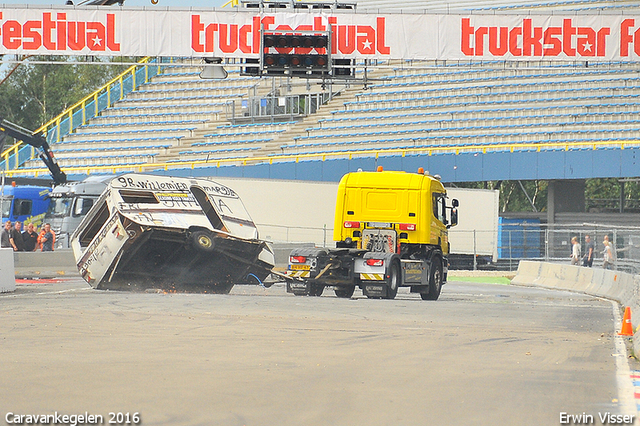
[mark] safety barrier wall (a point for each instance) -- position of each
(514, 162)
(618, 286)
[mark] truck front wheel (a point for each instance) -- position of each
(435, 281)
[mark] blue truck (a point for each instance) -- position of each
(28, 203)
(24, 203)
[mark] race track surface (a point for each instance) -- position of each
(484, 354)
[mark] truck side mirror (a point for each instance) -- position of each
(455, 203)
(454, 217)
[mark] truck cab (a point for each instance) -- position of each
(24, 203)
(410, 207)
(70, 202)
(390, 229)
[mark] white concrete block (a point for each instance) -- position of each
(7, 272)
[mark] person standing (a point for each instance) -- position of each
(5, 235)
(30, 238)
(47, 238)
(589, 248)
(575, 251)
(607, 263)
(16, 237)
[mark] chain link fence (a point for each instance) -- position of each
(553, 244)
(503, 249)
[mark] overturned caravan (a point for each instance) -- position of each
(169, 233)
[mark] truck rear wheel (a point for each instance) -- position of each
(316, 290)
(393, 282)
(345, 292)
(435, 282)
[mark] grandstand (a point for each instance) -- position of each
(177, 117)
(176, 120)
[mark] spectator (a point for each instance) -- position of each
(30, 238)
(589, 248)
(575, 251)
(47, 238)
(15, 237)
(608, 254)
(5, 235)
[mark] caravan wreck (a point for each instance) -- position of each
(169, 233)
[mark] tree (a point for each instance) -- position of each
(600, 194)
(512, 194)
(36, 93)
(604, 194)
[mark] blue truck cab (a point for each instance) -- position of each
(24, 203)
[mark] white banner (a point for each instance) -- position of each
(236, 34)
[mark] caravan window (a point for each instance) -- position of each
(138, 197)
(94, 226)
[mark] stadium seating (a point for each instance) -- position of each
(179, 117)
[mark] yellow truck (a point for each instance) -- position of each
(391, 230)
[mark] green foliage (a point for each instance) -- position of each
(35, 93)
(601, 194)
(513, 198)
(604, 194)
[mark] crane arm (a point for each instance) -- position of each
(38, 142)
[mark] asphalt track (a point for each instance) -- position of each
(484, 354)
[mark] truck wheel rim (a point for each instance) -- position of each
(437, 278)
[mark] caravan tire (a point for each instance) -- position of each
(202, 240)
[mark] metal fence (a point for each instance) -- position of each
(286, 107)
(504, 248)
(553, 244)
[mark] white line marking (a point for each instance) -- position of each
(623, 372)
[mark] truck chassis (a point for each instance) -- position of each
(377, 274)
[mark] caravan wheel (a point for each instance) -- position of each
(203, 240)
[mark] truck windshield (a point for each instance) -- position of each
(6, 206)
(59, 207)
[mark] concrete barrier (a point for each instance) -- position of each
(7, 282)
(60, 263)
(619, 286)
(48, 264)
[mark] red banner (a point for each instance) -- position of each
(237, 34)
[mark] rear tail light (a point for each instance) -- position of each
(297, 259)
(407, 226)
(349, 224)
(375, 262)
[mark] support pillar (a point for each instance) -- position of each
(563, 196)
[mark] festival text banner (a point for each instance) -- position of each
(236, 34)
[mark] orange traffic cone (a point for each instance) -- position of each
(627, 330)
